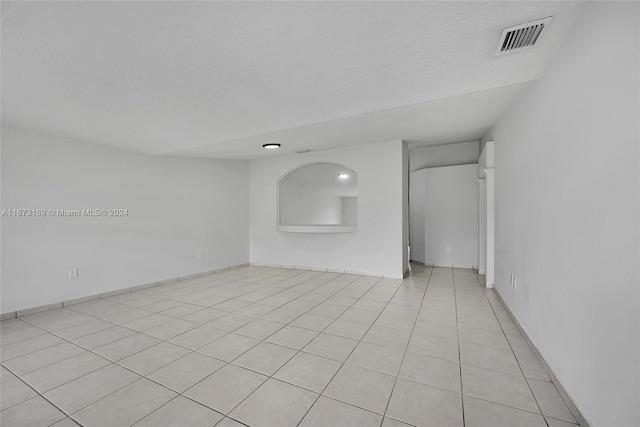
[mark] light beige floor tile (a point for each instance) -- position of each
(83, 329)
(483, 337)
(181, 412)
(126, 406)
(229, 422)
(552, 422)
(226, 388)
(171, 329)
(518, 343)
(120, 349)
(489, 357)
(230, 322)
(308, 371)
(182, 310)
(393, 321)
(480, 413)
(437, 315)
(5, 375)
(331, 346)
(422, 405)
(432, 371)
(14, 392)
(153, 358)
(283, 315)
(207, 315)
(387, 337)
(498, 387)
(402, 309)
(275, 403)
(66, 422)
(186, 371)
(341, 301)
(231, 305)
(77, 394)
(390, 422)
(377, 358)
(436, 329)
(375, 306)
(33, 412)
(362, 316)
(197, 337)
(228, 347)
(30, 345)
(531, 367)
(41, 358)
(434, 346)
(259, 329)
(550, 401)
(147, 322)
(161, 306)
(127, 316)
(56, 374)
(255, 310)
(265, 358)
(300, 305)
(9, 326)
(20, 334)
(312, 321)
(329, 310)
(327, 412)
(361, 387)
(103, 337)
(347, 329)
(54, 320)
(292, 337)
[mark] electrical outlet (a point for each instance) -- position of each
(448, 248)
(200, 255)
(514, 281)
(381, 255)
(73, 273)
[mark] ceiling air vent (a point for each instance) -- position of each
(521, 36)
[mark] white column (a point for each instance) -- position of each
(490, 184)
(482, 226)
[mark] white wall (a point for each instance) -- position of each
(379, 169)
(309, 205)
(405, 208)
(177, 208)
(444, 155)
(417, 201)
(567, 213)
(449, 196)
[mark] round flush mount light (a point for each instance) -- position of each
(343, 175)
(271, 146)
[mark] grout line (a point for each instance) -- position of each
(517, 361)
(353, 349)
(455, 301)
(297, 352)
(240, 277)
(415, 322)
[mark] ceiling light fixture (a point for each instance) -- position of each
(271, 146)
(343, 175)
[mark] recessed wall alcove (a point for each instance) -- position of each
(318, 197)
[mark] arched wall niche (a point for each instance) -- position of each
(319, 197)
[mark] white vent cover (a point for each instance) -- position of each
(521, 36)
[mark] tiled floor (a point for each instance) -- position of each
(276, 347)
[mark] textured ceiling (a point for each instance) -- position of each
(219, 79)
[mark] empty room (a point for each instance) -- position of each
(282, 214)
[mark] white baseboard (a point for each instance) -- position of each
(554, 379)
(330, 270)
